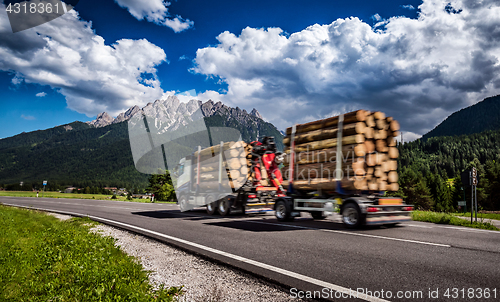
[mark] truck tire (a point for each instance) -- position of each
(352, 216)
(224, 207)
(212, 208)
(211, 205)
(282, 211)
(318, 215)
(183, 203)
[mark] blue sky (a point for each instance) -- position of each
(293, 61)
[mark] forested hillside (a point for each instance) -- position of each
(430, 170)
(81, 155)
(477, 118)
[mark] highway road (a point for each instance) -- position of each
(412, 262)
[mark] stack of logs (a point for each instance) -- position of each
(236, 165)
(368, 153)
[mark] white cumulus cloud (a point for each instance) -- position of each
(417, 70)
(67, 55)
(408, 6)
(41, 94)
(155, 11)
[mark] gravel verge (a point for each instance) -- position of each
(202, 280)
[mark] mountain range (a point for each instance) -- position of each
(477, 118)
(97, 153)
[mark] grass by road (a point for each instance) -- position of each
(444, 218)
(72, 195)
(44, 259)
(480, 215)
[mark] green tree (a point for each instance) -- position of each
(161, 186)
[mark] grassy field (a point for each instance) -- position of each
(72, 195)
(480, 215)
(44, 259)
(443, 218)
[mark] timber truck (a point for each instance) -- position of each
(264, 189)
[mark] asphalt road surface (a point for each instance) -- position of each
(412, 262)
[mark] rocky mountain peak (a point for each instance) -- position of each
(171, 112)
(103, 119)
(256, 113)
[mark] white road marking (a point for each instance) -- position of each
(298, 276)
(419, 226)
(463, 229)
(357, 234)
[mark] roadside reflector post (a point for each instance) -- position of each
(44, 184)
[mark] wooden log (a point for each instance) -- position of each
(382, 125)
(394, 126)
(380, 158)
(380, 134)
(379, 115)
(393, 187)
(391, 142)
(330, 143)
(373, 185)
(386, 166)
(393, 152)
(325, 155)
(236, 163)
(393, 165)
(392, 176)
(384, 177)
(326, 170)
(234, 173)
(369, 146)
(381, 145)
(369, 132)
(321, 134)
(351, 117)
(304, 174)
(382, 186)
(371, 160)
(207, 152)
(370, 121)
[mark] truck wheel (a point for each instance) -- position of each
(212, 208)
(211, 205)
(283, 211)
(318, 215)
(183, 204)
(351, 216)
(224, 207)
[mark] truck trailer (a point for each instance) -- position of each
(358, 200)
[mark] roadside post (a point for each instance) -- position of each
(471, 179)
(44, 184)
(474, 193)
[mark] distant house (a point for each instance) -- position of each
(112, 189)
(69, 190)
